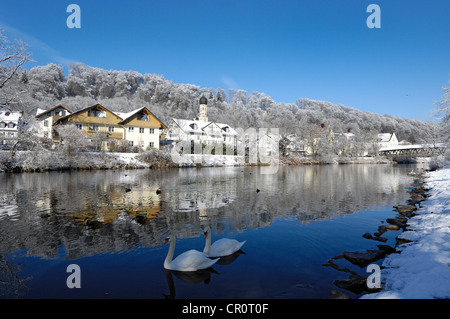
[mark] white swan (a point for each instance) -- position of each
(221, 247)
(191, 260)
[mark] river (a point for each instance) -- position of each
(113, 223)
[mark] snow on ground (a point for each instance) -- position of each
(422, 269)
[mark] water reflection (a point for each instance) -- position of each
(79, 214)
(191, 278)
(42, 212)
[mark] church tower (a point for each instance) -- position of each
(202, 115)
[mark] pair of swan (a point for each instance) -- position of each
(193, 260)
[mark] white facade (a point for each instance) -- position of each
(387, 140)
(201, 131)
(197, 131)
(9, 126)
(46, 118)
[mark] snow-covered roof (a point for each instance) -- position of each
(191, 126)
(385, 137)
(222, 126)
(8, 116)
(199, 126)
(411, 146)
(127, 115)
(40, 111)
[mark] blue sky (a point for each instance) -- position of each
(315, 49)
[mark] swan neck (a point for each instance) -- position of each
(207, 243)
(169, 256)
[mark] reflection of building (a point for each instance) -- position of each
(139, 204)
(9, 127)
(139, 127)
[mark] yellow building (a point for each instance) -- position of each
(140, 127)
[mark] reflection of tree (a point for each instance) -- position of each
(11, 285)
(106, 211)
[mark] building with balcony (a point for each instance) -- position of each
(140, 128)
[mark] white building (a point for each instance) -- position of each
(46, 118)
(9, 127)
(387, 140)
(201, 131)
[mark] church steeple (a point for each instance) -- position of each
(202, 115)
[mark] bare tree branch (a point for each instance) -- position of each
(13, 55)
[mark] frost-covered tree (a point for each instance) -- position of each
(72, 139)
(443, 112)
(13, 55)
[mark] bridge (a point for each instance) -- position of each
(425, 150)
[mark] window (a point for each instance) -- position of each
(152, 131)
(63, 113)
(96, 113)
(110, 128)
(131, 143)
(142, 117)
(93, 127)
(11, 125)
(152, 144)
(79, 126)
(45, 134)
(2, 125)
(141, 130)
(131, 129)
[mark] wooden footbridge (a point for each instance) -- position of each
(425, 150)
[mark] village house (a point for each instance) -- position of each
(140, 128)
(46, 117)
(387, 140)
(9, 127)
(202, 131)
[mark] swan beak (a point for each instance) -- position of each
(206, 234)
(166, 241)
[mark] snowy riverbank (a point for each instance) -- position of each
(422, 268)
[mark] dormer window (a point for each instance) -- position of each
(96, 113)
(193, 126)
(142, 117)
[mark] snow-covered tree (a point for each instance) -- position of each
(13, 55)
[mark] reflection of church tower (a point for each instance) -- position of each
(202, 116)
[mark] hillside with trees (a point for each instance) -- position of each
(46, 86)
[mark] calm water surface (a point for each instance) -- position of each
(112, 224)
